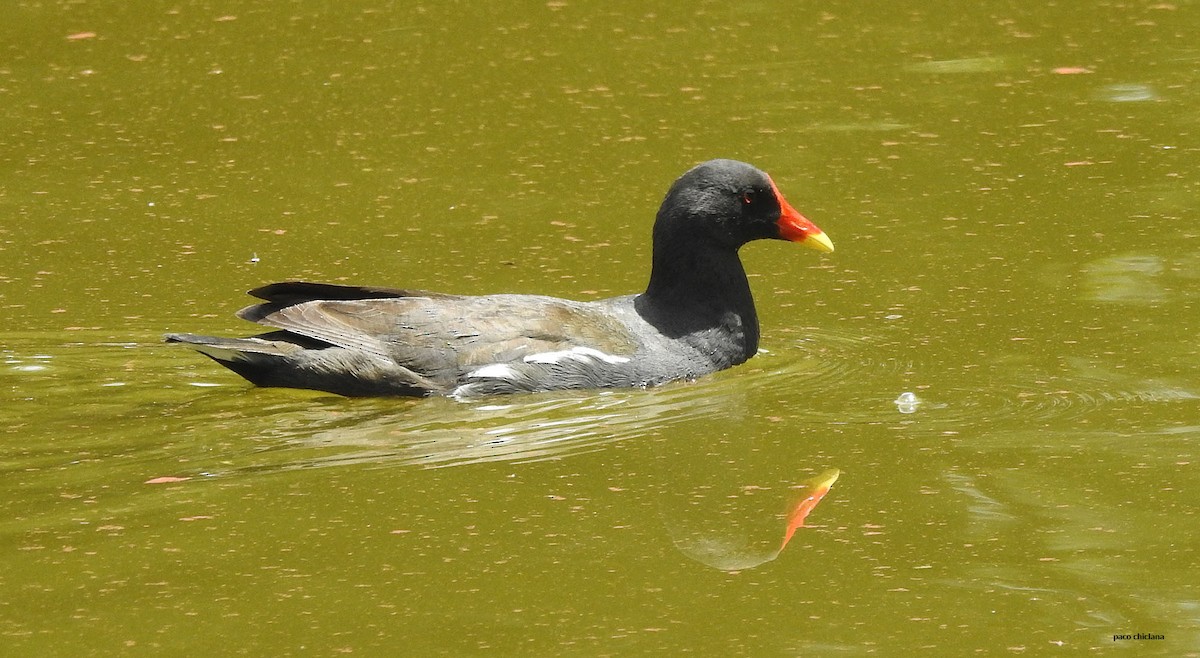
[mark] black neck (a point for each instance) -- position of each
(700, 290)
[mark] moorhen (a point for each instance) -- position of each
(695, 317)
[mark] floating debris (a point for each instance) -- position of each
(166, 479)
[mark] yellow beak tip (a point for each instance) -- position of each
(820, 242)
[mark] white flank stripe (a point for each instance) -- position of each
(574, 354)
(493, 371)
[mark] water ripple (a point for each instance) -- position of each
(853, 380)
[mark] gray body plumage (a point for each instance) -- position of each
(696, 316)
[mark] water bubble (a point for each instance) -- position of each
(907, 402)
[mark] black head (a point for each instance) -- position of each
(730, 203)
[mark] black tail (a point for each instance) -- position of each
(288, 360)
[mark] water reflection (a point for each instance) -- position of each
(962, 65)
(441, 433)
(1077, 525)
(860, 126)
(1126, 278)
(1127, 93)
(725, 498)
(727, 523)
(436, 433)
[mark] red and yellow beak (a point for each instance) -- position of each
(796, 228)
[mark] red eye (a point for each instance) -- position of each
(747, 198)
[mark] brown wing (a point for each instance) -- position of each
(439, 336)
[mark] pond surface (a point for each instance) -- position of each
(1001, 360)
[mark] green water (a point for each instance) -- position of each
(1012, 189)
